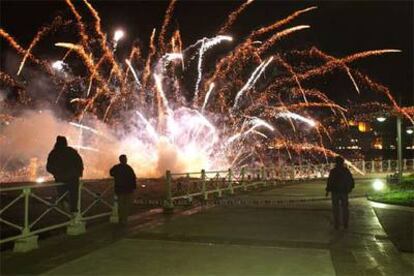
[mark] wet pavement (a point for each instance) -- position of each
(234, 239)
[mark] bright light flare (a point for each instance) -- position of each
(40, 180)
(119, 34)
(381, 119)
(58, 65)
(378, 185)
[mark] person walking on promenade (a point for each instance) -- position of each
(340, 184)
(66, 166)
(125, 185)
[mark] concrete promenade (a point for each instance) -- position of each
(292, 238)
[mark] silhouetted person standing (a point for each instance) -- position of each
(340, 184)
(66, 166)
(125, 185)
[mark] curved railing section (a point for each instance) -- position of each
(30, 210)
(204, 184)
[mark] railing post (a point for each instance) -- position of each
(218, 180)
(27, 242)
(389, 165)
(263, 175)
(405, 165)
(168, 203)
(372, 166)
(189, 198)
(242, 179)
(230, 179)
(282, 173)
(114, 216)
(77, 226)
(203, 184)
(363, 166)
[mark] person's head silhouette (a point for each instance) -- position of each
(123, 159)
(61, 142)
(339, 161)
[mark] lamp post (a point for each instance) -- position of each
(399, 149)
(382, 119)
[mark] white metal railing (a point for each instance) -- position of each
(202, 184)
(23, 217)
(186, 186)
(96, 200)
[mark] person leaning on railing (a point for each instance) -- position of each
(125, 185)
(66, 166)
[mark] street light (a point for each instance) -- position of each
(399, 144)
(409, 131)
(378, 185)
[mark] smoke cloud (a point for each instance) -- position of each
(30, 137)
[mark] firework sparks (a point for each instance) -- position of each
(252, 80)
(233, 16)
(167, 19)
(42, 32)
(210, 90)
(281, 22)
(296, 116)
(133, 73)
(169, 88)
(205, 45)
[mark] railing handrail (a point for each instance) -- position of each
(32, 186)
(74, 221)
(47, 184)
(236, 178)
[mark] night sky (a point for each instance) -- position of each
(338, 28)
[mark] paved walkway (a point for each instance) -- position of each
(233, 240)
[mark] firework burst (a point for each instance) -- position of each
(254, 106)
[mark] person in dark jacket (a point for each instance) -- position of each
(340, 184)
(66, 166)
(125, 185)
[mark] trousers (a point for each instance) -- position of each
(340, 209)
(124, 205)
(72, 188)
